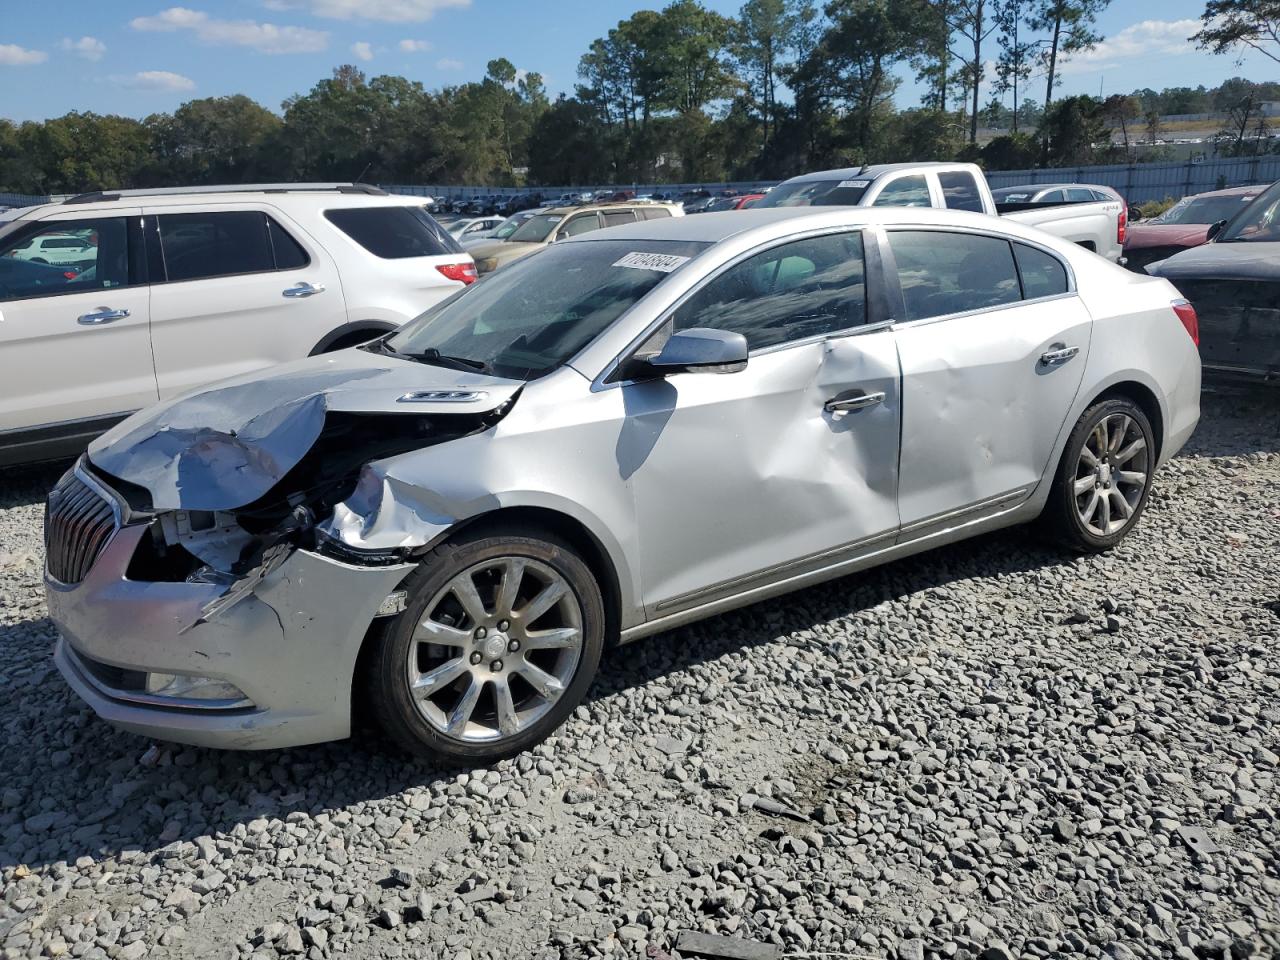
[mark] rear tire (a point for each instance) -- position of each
(499, 642)
(1104, 477)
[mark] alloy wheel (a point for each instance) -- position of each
(1111, 475)
(496, 648)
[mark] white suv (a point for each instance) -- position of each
(173, 289)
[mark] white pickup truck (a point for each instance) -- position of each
(1099, 225)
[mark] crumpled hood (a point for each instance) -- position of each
(224, 446)
(1143, 235)
(1258, 260)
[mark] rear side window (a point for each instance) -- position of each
(201, 245)
(394, 233)
(289, 253)
(960, 190)
(790, 292)
(654, 213)
(945, 273)
(583, 224)
(1042, 275)
(613, 218)
(910, 191)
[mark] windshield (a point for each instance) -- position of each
(1258, 222)
(531, 316)
(816, 193)
(535, 229)
(1203, 210)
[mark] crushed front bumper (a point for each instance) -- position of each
(290, 646)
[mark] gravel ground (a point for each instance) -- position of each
(991, 751)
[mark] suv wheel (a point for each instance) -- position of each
(499, 642)
(1104, 478)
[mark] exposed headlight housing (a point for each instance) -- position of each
(179, 686)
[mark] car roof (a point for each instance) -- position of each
(1233, 191)
(1041, 187)
(877, 170)
(591, 207)
(785, 221)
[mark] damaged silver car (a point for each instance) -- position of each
(621, 434)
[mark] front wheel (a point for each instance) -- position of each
(500, 640)
(1104, 479)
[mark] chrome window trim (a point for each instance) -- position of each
(869, 236)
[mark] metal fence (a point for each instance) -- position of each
(1136, 182)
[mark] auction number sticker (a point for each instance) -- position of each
(843, 184)
(663, 262)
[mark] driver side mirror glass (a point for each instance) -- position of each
(1216, 228)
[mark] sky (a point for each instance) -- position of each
(136, 57)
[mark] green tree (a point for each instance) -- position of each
(1072, 129)
(768, 34)
(214, 140)
(1015, 151)
(1123, 111)
(567, 145)
(1230, 25)
(1017, 51)
(973, 22)
(1070, 26)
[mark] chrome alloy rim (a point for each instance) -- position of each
(1111, 475)
(495, 649)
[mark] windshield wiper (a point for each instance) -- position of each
(432, 355)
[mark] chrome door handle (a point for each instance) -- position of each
(1058, 355)
(838, 404)
(102, 315)
(303, 289)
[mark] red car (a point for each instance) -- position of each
(1184, 225)
(747, 200)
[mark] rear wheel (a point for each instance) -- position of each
(1104, 478)
(499, 642)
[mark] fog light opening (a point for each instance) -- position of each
(184, 687)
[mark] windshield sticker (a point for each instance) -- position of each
(843, 184)
(662, 262)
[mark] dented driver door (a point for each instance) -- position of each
(743, 481)
(993, 343)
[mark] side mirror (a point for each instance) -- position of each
(1135, 212)
(1216, 228)
(698, 350)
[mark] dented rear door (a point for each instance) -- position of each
(985, 391)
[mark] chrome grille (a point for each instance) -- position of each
(78, 523)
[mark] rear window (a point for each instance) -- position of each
(394, 233)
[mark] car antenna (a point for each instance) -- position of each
(360, 179)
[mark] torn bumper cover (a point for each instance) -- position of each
(290, 647)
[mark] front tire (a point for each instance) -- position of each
(501, 638)
(1104, 478)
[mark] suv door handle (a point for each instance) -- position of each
(1058, 354)
(102, 315)
(841, 403)
(303, 289)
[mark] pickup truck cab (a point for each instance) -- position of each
(1097, 225)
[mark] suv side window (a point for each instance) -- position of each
(789, 292)
(197, 246)
(584, 223)
(613, 218)
(960, 191)
(394, 233)
(66, 256)
(912, 191)
(654, 213)
(944, 273)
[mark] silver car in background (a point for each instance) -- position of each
(622, 433)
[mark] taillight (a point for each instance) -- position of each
(1187, 314)
(1122, 223)
(462, 272)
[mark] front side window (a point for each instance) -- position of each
(394, 233)
(1259, 222)
(1080, 195)
(910, 191)
(533, 315)
(65, 256)
(790, 292)
(960, 190)
(1052, 196)
(945, 273)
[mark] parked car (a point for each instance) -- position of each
(1097, 225)
(560, 223)
(749, 200)
(56, 248)
(635, 429)
(1185, 225)
(189, 286)
(474, 228)
(1234, 284)
(505, 229)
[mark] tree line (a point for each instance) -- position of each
(675, 95)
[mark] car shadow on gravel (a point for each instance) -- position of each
(23, 486)
(74, 787)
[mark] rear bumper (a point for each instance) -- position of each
(291, 647)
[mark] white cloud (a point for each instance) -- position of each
(157, 80)
(90, 48)
(415, 46)
(448, 64)
(362, 51)
(12, 55)
(263, 37)
(392, 11)
(1145, 39)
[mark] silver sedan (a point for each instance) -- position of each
(621, 434)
